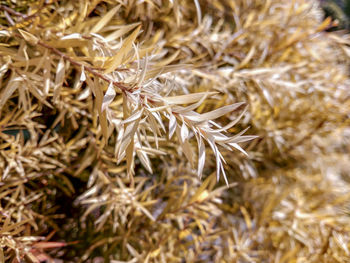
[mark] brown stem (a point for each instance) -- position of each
(23, 16)
(11, 11)
(120, 85)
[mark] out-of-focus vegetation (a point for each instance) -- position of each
(173, 131)
(339, 10)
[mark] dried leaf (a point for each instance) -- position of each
(118, 58)
(108, 97)
(60, 72)
(189, 98)
(29, 37)
(105, 19)
(216, 113)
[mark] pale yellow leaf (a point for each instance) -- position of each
(199, 13)
(185, 99)
(60, 72)
(82, 75)
(108, 97)
(186, 147)
(47, 75)
(29, 37)
(155, 72)
(172, 125)
(9, 90)
(239, 148)
(128, 137)
(201, 189)
(119, 56)
(232, 123)
(137, 115)
(167, 60)
(122, 31)
(152, 151)
(184, 132)
(216, 113)
(248, 57)
(144, 160)
(192, 106)
(201, 156)
(105, 19)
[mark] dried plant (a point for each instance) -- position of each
(118, 120)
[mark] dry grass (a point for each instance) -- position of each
(173, 131)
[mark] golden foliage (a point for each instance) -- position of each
(100, 101)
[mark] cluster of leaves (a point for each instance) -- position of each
(112, 111)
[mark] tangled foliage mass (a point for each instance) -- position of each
(173, 131)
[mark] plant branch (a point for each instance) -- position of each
(11, 11)
(118, 84)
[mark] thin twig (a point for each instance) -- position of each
(11, 11)
(118, 84)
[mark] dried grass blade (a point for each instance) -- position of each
(239, 148)
(29, 37)
(216, 113)
(189, 98)
(105, 19)
(168, 60)
(201, 156)
(137, 115)
(9, 90)
(124, 30)
(155, 72)
(172, 125)
(108, 97)
(118, 58)
(199, 12)
(47, 74)
(60, 72)
(233, 123)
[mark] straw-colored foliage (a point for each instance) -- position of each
(173, 131)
